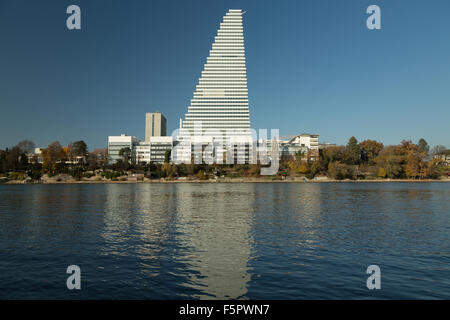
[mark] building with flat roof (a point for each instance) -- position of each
(154, 150)
(116, 143)
(290, 146)
(311, 141)
(155, 125)
(36, 156)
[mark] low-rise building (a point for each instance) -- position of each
(143, 153)
(140, 152)
(100, 154)
(116, 143)
(154, 150)
(36, 156)
(306, 145)
(443, 158)
(326, 145)
(158, 148)
(310, 141)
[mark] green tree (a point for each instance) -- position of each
(125, 153)
(352, 154)
(167, 156)
(316, 168)
(423, 146)
(78, 148)
(391, 162)
(331, 154)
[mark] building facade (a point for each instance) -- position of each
(310, 141)
(304, 144)
(155, 125)
(219, 108)
(116, 143)
(154, 150)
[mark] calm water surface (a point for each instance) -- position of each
(208, 241)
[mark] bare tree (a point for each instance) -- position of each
(26, 146)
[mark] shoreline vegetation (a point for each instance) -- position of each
(366, 161)
(226, 180)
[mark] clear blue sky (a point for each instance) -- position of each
(313, 66)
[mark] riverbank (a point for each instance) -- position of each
(224, 180)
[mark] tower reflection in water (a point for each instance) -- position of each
(215, 224)
(193, 236)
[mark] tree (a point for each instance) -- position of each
(167, 156)
(337, 170)
(26, 146)
(3, 161)
(390, 161)
(169, 170)
(331, 154)
(432, 171)
(352, 154)
(382, 172)
(423, 146)
(299, 155)
(316, 167)
(201, 175)
(125, 153)
(78, 148)
(12, 158)
(303, 168)
(405, 147)
(370, 150)
(413, 165)
(52, 155)
(254, 171)
(92, 161)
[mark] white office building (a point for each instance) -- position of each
(143, 153)
(310, 141)
(305, 143)
(116, 143)
(154, 150)
(219, 107)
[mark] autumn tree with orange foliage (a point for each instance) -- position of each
(51, 155)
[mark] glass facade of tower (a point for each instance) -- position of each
(220, 100)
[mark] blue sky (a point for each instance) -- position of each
(313, 66)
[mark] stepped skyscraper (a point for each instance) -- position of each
(220, 100)
(218, 119)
